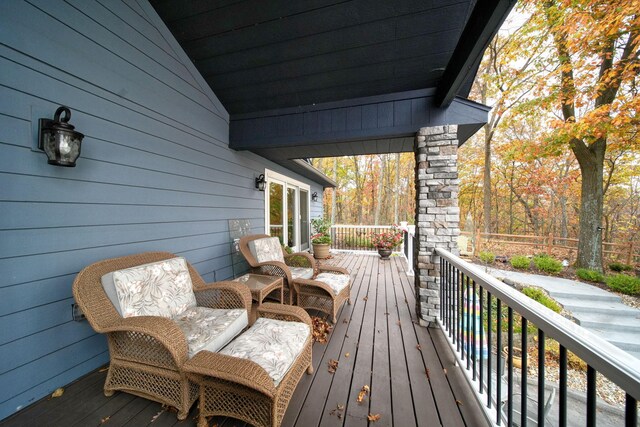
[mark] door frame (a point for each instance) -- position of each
(289, 182)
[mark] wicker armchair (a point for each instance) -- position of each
(148, 352)
(300, 286)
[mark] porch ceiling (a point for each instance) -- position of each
(278, 55)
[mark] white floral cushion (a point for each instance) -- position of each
(209, 328)
(301, 272)
(158, 289)
(337, 282)
(266, 249)
(272, 344)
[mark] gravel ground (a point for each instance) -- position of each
(629, 300)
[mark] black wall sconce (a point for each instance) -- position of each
(314, 196)
(58, 139)
(260, 182)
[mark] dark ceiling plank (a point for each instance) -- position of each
(172, 10)
(483, 24)
(325, 20)
(246, 14)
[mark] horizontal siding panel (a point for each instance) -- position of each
(29, 375)
(32, 294)
(27, 322)
(32, 347)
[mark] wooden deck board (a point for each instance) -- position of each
(387, 350)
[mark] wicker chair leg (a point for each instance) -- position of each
(349, 301)
(108, 393)
(202, 421)
(310, 369)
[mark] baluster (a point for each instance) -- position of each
(563, 386)
(468, 323)
(499, 362)
(541, 351)
(489, 345)
(591, 397)
(523, 385)
(474, 329)
(481, 307)
(509, 366)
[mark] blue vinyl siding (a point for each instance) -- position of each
(155, 173)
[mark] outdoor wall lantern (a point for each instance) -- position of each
(314, 196)
(260, 182)
(58, 140)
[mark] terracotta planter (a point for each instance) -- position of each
(384, 253)
(321, 251)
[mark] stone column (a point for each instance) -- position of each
(437, 212)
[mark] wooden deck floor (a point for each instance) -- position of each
(377, 342)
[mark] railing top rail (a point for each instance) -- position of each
(359, 226)
(614, 363)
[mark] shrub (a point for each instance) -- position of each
(619, 266)
(622, 283)
(590, 275)
(520, 261)
(487, 257)
(547, 264)
(539, 296)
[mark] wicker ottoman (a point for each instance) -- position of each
(241, 388)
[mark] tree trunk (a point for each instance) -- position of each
(486, 188)
(378, 205)
(396, 190)
(591, 161)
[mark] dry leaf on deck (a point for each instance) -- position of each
(419, 347)
(345, 321)
(363, 392)
(445, 370)
(333, 365)
(155, 417)
(373, 418)
(347, 354)
(106, 368)
(105, 419)
(458, 403)
(59, 392)
(365, 298)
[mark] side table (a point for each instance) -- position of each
(261, 286)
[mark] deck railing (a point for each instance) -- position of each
(473, 303)
(356, 237)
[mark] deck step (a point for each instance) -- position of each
(606, 323)
(588, 308)
(585, 296)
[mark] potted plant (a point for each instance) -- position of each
(321, 240)
(386, 241)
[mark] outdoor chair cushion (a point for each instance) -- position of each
(209, 328)
(301, 272)
(157, 289)
(337, 282)
(272, 344)
(266, 249)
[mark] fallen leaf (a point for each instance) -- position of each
(347, 354)
(321, 330)
(373, 418)
(155, 417)
(365, 298)
(445, 370)
(345, 321)
(58, 392)
(398, 322)
(458, 402)
(419, 347)
(333, 366)
(337, 411)
(105, 420)
(363, 392)
(106, 368)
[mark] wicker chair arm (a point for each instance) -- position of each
(161, 329)
(232, 369)
(284, 312)
(275, 268)
(225, 294)
(306, 255)
(302, 283)
(332, 269)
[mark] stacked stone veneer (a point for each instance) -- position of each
(437, 214)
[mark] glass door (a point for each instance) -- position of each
(276, 210)
(287, 210)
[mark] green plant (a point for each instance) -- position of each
(547, 264)
(619, 266)
(298, 261)
(287, 249)
(622, 283)
(321, 227)
(521, 262)
(538, 295)
(487, 257)
(590, 275)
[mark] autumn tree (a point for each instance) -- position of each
(595, 70)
